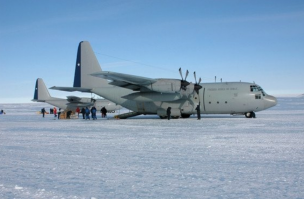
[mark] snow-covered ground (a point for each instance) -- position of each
(220, 156)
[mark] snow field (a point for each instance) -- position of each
(220, 156)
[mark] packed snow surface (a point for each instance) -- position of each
(219, 156)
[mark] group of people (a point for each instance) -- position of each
(55, 112)
(86, 112)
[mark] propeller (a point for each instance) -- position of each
(197, 87)
(184, 83)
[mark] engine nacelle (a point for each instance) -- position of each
(165, 86)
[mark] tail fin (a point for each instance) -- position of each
(86, 64)
(41, 92)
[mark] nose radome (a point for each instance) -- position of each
(270, 101)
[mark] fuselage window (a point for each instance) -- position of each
(209, 102)
(218, 102)
(225, 102)
(258, 96)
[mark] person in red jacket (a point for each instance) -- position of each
(55, 112)
(78, 110)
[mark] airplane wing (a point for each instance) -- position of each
(71, 89)
(124, 80)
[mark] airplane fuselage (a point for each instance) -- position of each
(214, 98)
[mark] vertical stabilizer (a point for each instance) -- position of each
(41, 92)
(86, 64)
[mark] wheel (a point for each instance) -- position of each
(185, 115)
(163, 117)
(248, 115)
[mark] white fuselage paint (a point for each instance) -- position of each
(215, 98)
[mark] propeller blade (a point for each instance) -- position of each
(197, 87)
(187, 72)
(180, 72)
(194, 76)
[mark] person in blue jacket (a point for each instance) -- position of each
(87, 112)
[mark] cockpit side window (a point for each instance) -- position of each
(254, 88)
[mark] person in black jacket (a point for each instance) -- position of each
(43, 111)
(198, 112)
(169, 112)
(103, 112)
(83, 112)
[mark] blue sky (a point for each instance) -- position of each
(247, 40)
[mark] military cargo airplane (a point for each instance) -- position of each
(153, 96)
(42, 94)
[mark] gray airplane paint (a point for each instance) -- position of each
(154, 96)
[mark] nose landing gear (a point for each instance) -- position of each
(250, 115)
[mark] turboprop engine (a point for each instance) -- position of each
(172, 85)
(166, 90)
(165, 86)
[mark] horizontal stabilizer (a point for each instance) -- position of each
(72, 89)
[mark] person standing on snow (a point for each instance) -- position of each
(83, 111)
(169, 112)
(103, 112)
(198, 112)
(59, 112)
(78, 111)
(43, 112)
(55, 112)
(93, 111)
(87, 112)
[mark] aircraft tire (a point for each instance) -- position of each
(185, 115)
(248, 115)
(163, 117)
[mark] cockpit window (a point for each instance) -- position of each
(255, 88)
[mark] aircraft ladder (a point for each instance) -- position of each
(126, 115)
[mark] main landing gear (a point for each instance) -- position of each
(250, 115)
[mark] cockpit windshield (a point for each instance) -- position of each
(256, 88)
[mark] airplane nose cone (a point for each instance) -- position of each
(270, 101)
